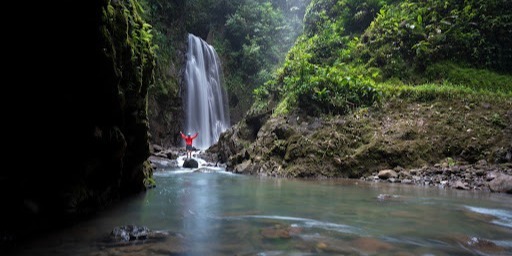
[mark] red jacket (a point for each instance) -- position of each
(189, 139)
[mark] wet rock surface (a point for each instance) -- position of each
(131, 235)
(280, 231)
(442, 143)
(190, 163)
(140, 240)
(480, 176)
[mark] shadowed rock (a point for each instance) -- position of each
(131, 234)
(190, 163)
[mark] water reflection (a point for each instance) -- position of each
(199, 201)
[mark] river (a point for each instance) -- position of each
(214, 212)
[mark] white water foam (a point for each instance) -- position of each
(306, 223)
(503, 217)
(200, 162)
(203, 167)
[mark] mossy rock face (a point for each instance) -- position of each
(298, 147)
(94, 110)
(397, 134)
(116, 146)
(128, 48)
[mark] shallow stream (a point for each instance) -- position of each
(213, 212)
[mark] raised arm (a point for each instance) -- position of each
(183, 135)
(195, 135)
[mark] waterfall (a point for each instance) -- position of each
(206, 105)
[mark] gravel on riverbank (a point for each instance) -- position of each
(480, 176)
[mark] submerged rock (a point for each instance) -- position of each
(479, 244)
(368, 245)
(280, 231)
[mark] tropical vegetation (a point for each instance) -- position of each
(355, 53)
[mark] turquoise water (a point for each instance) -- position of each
(219, 213)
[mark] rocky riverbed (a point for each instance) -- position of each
(480, 176)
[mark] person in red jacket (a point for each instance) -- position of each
(188, 140)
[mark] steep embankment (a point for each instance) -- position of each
(379, 85)
(401, 133)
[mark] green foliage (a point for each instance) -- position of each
(250, 36)
(315, 86)
(165, 17)
(148, 181)
(349, 48)
(448, 162)
(432, 91)
(316, 76)
(335, 90)
(285, 105)
(498, 121)
(164, 84)
(476, 79)
(412, 35)
(205, 16)
(317, 13)
(392, 39)
(261, 93)
(253, 42)
(332, 69)
(353, 15)
(253, 32)
(325, 47)
(130, 44)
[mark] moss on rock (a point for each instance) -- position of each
(400, 133)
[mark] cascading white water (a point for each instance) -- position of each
(206, 102)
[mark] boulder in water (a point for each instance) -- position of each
(190, 163)
(129, 232)
(501, 183)
(133, 235)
